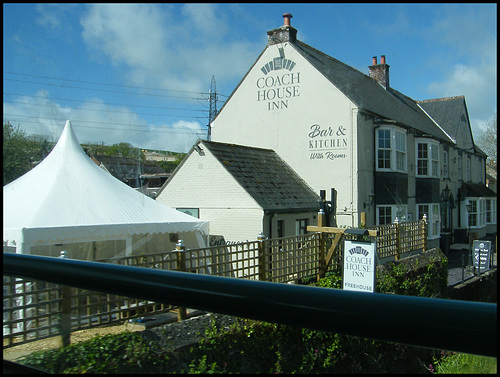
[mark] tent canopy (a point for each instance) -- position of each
(67, 198)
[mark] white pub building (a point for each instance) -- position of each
(384, 153)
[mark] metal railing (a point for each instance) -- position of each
(460, 326)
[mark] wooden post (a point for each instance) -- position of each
(424, 226)
(398, 239)
(321, 218)
(322, 245)
(363, 219)
(65, 320)
(262, 250)
(180, 250)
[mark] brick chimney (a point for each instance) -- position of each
(285, 33)
(380, 72)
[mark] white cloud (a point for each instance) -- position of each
(178, 137)
(162, 45)
(96, 122)
(470, 38)
(48, 15)
(127, 33)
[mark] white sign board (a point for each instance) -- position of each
(482, 255)
(359, 266)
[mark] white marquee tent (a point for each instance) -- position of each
(69, 203)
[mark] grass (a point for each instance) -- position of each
(462, 363)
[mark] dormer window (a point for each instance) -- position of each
(391, 149)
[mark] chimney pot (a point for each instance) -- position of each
(287, 17)
(380, 72)
(282, 34)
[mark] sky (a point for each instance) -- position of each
(142, 73)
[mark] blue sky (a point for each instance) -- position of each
(141, 73)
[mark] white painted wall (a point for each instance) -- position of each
(313, 127)
(204, 183)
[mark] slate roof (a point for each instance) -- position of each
(447, 112)
(369, 95)
(265, 176)
(478, 190)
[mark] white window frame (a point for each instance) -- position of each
(459, 168)
(400, 155)
(446, 164)
(478, 213)
(399, 211)
(482, 212)
(491, 211)
(468, 169)
(431, 159)
(397, 149)
(433, 212)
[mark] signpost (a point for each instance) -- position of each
(359, 266)
(482, 255)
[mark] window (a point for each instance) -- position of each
(434, 159)
(491, 211)
(195, 212)
(482, 212)
(387, 214)
(422, 159)
(391, 150)
(459, 167)
(433, 218)
(467, 169)
(472, 213)
(400, 151)
(478, 214)
(427, 159)
(300, 227)
(384, 149)
(384, 215)
(446, 173)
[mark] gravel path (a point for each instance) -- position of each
(188, 332)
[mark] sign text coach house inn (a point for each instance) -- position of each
(384, 153)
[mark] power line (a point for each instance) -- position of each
(101, 102)
(100, 83)
(36, 120)
(100, 90)
(115, 111)
(142, 128)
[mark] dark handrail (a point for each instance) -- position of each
(461, 326)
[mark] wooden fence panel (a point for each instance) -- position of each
(292, 258)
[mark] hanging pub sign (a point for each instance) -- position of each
(482, 254)
(359, 266)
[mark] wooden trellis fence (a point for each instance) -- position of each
(35, 310)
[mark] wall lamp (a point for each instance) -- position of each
(199, 150)
(371, 201)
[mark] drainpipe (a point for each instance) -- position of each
(377, 126)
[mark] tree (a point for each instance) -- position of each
(488, 140)
(16, 159)
(21, 152)
(125, 150)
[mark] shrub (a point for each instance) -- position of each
(127, 352)
(258, 347)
